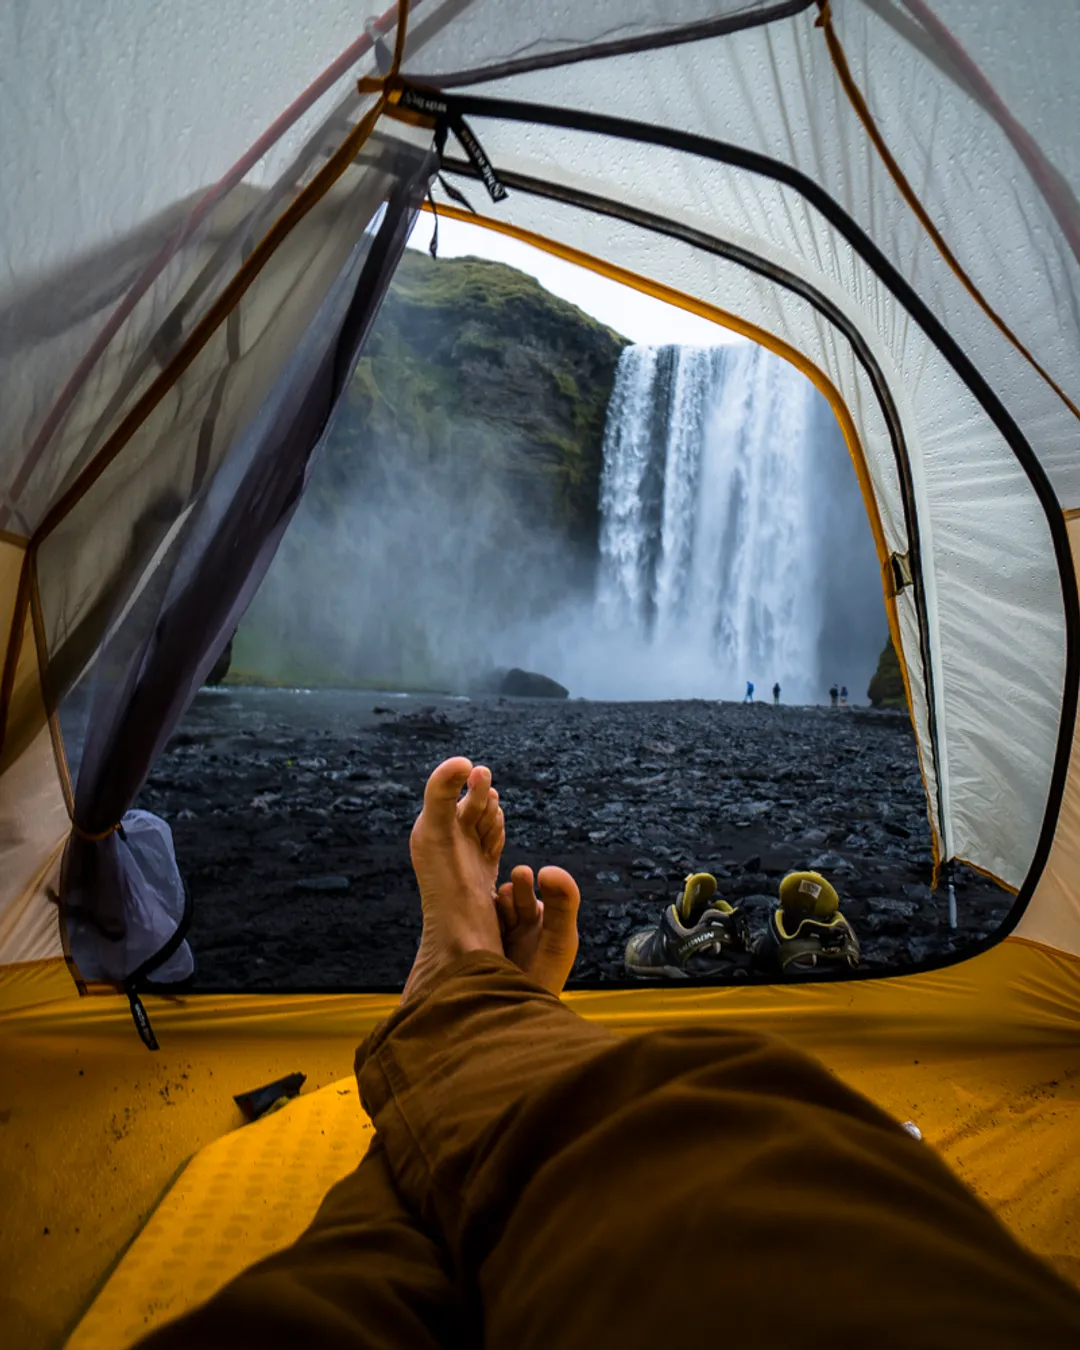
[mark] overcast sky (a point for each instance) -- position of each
(638, 317)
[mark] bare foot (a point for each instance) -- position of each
(455, 847)
(540, 935)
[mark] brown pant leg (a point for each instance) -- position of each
(364, 1276)
(688, 1187)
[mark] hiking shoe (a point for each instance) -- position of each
(807, 934)
(698, 937)
(818, 946)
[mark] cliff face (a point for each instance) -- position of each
(473, 363)
(887, 684)
(458, 492)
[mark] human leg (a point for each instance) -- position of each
(367, 1273)
(679, 1188)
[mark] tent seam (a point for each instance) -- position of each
(701, 31)
(873, 131)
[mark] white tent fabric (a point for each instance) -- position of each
(112, 114)
(958, 370)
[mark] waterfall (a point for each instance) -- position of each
(709, 556)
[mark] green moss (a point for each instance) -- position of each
(473, 358)
(567, 385)
(479, 285)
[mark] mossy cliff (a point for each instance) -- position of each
(473, 363)
(477, 412)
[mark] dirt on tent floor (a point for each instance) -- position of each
(291, 813)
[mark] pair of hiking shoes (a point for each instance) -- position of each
(702, 936)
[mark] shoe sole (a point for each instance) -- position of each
(676, 973)
(655, 972)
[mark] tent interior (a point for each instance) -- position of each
(883, 192)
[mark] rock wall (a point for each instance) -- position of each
(467, 458)
(887, 684)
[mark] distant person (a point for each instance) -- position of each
(834, 694)
(776, 695)
(843, 696)
(533, 1174)
(749, 692)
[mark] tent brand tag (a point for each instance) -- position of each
(419, 100)
(479, 160)
(809, 888)
(142, 1021)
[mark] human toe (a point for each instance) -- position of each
(561, 901)
(527, 909)
(442, 791)
(504, 907)
(489, 815)
(492, 828)
(474, 803)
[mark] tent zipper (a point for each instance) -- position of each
(138, 977)
(141, 1018)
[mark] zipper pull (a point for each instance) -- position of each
(142, 1020)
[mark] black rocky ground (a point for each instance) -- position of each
(292, 820)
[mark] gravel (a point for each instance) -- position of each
(291, 814)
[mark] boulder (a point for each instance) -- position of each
(518, 683)
(887, 685)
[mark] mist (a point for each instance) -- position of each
(416, 581)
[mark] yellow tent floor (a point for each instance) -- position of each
(242, 1197)
(984, 1057)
